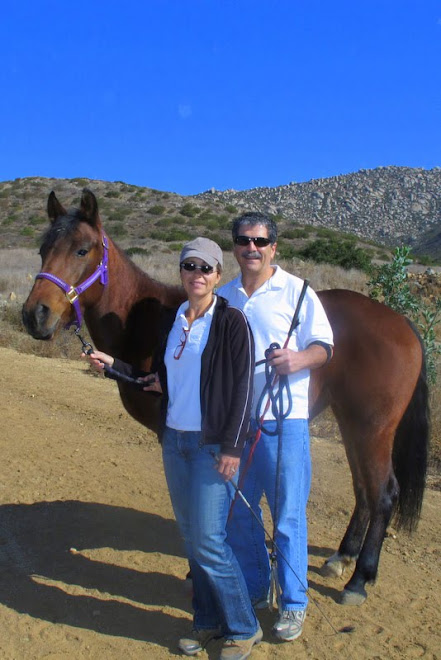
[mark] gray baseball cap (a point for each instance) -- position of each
(205, 249)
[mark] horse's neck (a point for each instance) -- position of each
(125, 320)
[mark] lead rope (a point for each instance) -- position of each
(112, 373)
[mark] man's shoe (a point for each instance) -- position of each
(198, 640)
(239, 649)
(289, 625)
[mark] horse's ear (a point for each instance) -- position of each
(54, 208)
(89, 207)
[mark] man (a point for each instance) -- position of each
(280, 466)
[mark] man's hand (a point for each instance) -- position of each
(286, 361)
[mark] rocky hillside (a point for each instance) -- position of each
(389, 206)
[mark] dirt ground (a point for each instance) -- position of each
(90, 560)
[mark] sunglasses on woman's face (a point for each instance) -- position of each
(259, 241)
(190, 267)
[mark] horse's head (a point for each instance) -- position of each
(71, 252)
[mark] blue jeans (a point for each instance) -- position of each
(201, 501)
(247, 537)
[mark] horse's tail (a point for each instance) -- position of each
(411, 450)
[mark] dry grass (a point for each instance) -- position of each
(19, 265)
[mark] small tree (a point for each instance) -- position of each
(390, 284)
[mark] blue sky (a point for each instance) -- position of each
(185, 95)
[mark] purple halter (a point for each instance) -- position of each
(72, 293)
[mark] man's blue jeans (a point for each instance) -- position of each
(201, 501)
(247, 537)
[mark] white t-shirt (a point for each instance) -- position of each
(184, 375)
(270, 311)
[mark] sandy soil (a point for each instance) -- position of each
(90, 561)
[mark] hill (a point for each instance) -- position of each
(388, 206)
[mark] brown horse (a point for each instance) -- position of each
(375, 383)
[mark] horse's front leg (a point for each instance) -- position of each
(366, 566)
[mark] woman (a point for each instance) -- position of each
(204, 370)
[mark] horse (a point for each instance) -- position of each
(375, 383)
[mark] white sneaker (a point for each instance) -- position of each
(289, 625)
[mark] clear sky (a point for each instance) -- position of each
(185, 95)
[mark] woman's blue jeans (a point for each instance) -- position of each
(201, 501)
(247, 537)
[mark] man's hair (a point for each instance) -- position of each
(254, 218)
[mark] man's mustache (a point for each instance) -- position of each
(251, 255)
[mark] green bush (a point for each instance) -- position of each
(118, 230)
(84, 183)
(171, 235)
(389, 284)
(225, 243)
(136, 250)
(286, 251)
(37, 220)
(157, 209)
(230, 208)
(167, 221)
(189, 210)
(338, 253)
(117, 216)
(295, 233)
(324, 232)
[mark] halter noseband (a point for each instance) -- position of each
(72, 292)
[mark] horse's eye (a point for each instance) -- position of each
(82, 252)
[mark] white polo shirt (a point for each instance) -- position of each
(184, 375)
(270, 311)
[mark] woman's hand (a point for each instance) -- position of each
(227, 466)
(153, 383)
(98, 359)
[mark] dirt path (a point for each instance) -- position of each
(90, 561)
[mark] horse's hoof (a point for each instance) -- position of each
(352, 597)
(335, 566)
(332, 568)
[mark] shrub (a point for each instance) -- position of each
(37, 220)
(81, 182)
(389, 284)
(189, 210)
(223, 242)
(171, 235)
(339, 253)
(286, 251)
(166, 222)
(117, 216)
(136, 250)
(118, 230)
(295, 233)
(157, 209)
